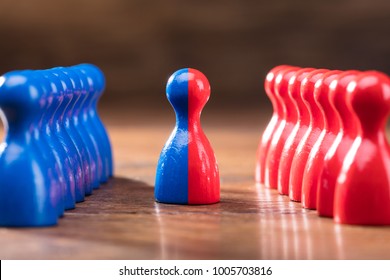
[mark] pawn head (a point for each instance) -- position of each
(282, 81)
(188, 90)
(270, 79)
(369, 96)
(20, 90)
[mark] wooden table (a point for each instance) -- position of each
(121, 220)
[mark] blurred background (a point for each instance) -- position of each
(139, 43)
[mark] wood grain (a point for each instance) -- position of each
(122, 221)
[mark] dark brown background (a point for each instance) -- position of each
(139, 43)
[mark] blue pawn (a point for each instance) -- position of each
(89, 125)
(71, 127)
(81, 126)
(54, 166)
(62, 126)
(55, 99)
(98, 80)
(29, 194)
(174, 155)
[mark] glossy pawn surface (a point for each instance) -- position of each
(283, 130)
(43, 112)
(83, 92)
(34, 198)
(187, 171)
(52, 160)
(335, 156)
(315, 161)
(299, 130)
(98, 83)
(36, 131)
(362, 194)
(308, 140)
(73, 84)
(87, 120)
(266, 138)
(55, 99)
(62, 130)
(90, 130)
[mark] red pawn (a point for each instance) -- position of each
(335, 156)
(315, 161)
(283, 130)
(203, 173)
(308, 140)
(363, 186)
(276, 118)
(294, 90)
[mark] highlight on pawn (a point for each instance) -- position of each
(56, 149)
(325, 145)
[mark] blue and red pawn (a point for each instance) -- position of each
(187, 171)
